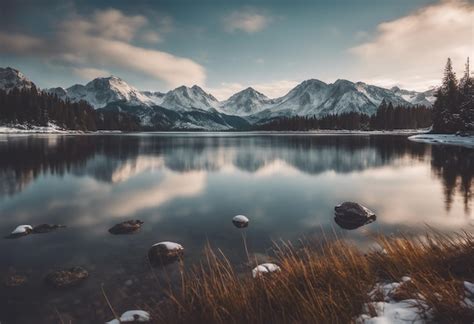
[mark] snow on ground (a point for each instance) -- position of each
(22, 129)
(466, 141)
(391, 311)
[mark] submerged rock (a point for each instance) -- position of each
(165, 252)
(265, 269)
(15, 280)
(132, 316)
(46, 228)
(351, 215)
(66, 277)
(127, 227)
(240, 221)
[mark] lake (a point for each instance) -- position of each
(186, 187)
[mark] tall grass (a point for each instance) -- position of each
(326, 284)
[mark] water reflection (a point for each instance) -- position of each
(117, 158)
(186, 189)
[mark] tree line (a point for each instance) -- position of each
(37, 108)
(387, 117)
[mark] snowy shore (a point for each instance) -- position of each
(465, 141)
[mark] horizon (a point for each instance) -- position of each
(225, 48)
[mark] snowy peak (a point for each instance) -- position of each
(185, 98)
(426, 98)
(11, 78)
(102, 91)
(246, 102)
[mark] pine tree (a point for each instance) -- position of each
(466, 93)
(446, 118)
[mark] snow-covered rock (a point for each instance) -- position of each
(165, 252)
(11, 78)
(425, 98)
(265, 269)
(23, 229)
(132, 316)
(240, 221)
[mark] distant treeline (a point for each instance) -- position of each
(37, 108)
(386, 118)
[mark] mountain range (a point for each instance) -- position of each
(194, 108)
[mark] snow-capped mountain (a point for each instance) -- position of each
(185, 98)
(102, 91)
(246, 102)
(426, 98)
(155, 96)
(11, 78)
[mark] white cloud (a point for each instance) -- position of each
(105, 40)
(151, 37)
(247, 20)
(90, 73)
(413, 49)
(270, 89)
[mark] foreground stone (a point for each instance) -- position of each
(15, 281)
(240, 221)
(66, 277)
(265, 269)
(127, 227)
(163, 253)
(20, 231)
(132, 316)
(351, 215)
(46, 228)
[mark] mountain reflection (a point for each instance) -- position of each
(115, 158)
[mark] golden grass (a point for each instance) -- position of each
(326, 284)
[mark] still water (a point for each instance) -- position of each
(186, 187)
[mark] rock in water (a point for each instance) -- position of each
(67, 277)
(20, 231)
(265, 269)
(127, 227)
(164, 253)
(240, 221)
(46, 228)
(132, 316)
(351, 215)
(15, 281)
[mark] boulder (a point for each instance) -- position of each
(265, 269)
(66, 277)
(351, 215)
(20, 231)
(163, 253)
(46, 228)
(240, 221)
(15, 280)
(132, 316)
(127, 227)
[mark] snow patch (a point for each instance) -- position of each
(465, 141)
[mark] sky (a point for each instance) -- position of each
(226, 46)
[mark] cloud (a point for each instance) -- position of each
(19, 43)
(247, 20)
(151, 37)
(104, 41)
(270, 89)
(90, 73)
(413, 49)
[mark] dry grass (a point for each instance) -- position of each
(326, 284)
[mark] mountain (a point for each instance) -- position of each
(316, 98)
(11, 78)
(426, 98)
(102, 91)
(185, 98)
(246, 102)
